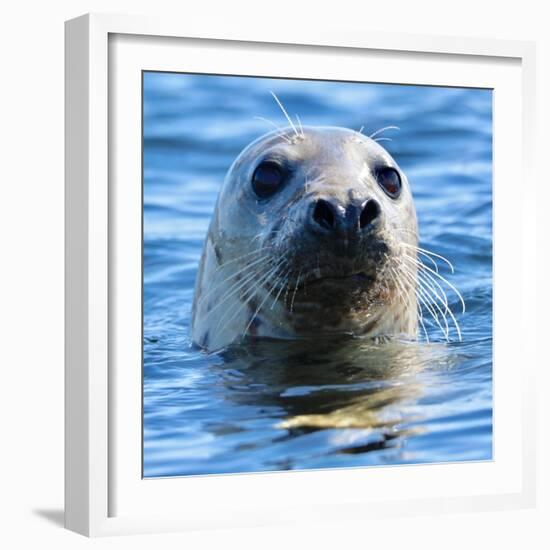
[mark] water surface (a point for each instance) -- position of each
(279, 405)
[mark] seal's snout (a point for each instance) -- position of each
(370, 212)
(330, 217)
(325, 214)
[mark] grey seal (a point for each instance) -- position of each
(314, 234)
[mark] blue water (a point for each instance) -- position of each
(279, 406)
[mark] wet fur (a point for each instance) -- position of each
(264, 274)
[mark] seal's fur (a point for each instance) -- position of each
(266, 272)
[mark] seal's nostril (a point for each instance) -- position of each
(370, 212)
(324, 214)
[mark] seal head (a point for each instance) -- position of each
(309, 237)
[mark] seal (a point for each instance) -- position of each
(314, 234)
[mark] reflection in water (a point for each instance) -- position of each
(277, 405)
(349, 383)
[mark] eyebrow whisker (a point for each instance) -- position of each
(300, 125)
(379, 131)
(286, 114)
(278, 128)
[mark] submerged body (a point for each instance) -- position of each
(314, 233)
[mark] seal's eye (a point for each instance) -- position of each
(267, 179)
(390, 181)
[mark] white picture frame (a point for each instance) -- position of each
(105, 494)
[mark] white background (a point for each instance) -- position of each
(31, 274)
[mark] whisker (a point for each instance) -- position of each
(418, 306)
(425, 302)
(421, 319)
(295, 290)
(285, 300)
(428, 282)
(429, 298)
(404, 230)
(436, 267)
(398, 283)
(379, 131)
(232, 276)
(443, 299)
(285, 278)
(394, 284)
(248, 295)
(232, 290)
(286, 114)
(229, 262)
(430, 253)
(300, 126)
(439, 276)
(263, 301)
(425, 298)
(278, 128)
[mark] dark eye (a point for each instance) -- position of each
(267, 179)
(390, 181)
